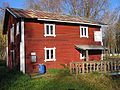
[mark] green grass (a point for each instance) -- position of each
(56, 80)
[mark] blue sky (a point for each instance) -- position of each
(14, 3)
(114, 3)
(21, 3)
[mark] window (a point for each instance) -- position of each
(17, 29)
(83, 31)
(82, 54)
(49, 30)
(50, 54)
(12, 33)
(98, 36)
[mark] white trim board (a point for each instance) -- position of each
(12, 13)
(7, 55)
(22, 49)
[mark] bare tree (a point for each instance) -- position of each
(2, 10)
(2, 37)
(117, 27)
(91, 9)
(45, 5)
(111, 33)
(2, 44)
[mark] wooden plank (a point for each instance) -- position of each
(83, 70)
(105, 66)
(76, 67)
(87, 58)
(70, 67)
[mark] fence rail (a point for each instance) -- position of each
(110, 66)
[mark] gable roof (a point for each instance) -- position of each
(46, 16)
(21, 13)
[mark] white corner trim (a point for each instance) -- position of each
(7, 55)
(17, 28)
(7, 51)
(67, 21)
(22, 49)
(101, 36)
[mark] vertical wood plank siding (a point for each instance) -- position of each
(67, 36)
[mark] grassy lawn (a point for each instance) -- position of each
(56, 80)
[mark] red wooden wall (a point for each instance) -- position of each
(67, 36)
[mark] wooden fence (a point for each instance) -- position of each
(111, 66)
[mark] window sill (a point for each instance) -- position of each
(48, 60)
(83, 36)
(82, 58)
(50, 35)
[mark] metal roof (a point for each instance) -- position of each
(90, 47)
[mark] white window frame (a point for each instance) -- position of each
(45, 30)
(17, 28)
(12, 34)
(81, 55)
(54, 56)
(84, 27)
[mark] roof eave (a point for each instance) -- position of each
(69, 22)
(8, 9)
(5, 23)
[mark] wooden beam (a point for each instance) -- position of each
(87, 58)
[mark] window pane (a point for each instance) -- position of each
(85, 31)
(51, 29)
(82, 31)
(51, 54)
(47, 29)
(33, 58)
(47, 52)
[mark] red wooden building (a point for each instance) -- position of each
(38, 37)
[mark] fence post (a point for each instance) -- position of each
(70, 67)
(83, 68)
(105, 66)
(76, 68)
